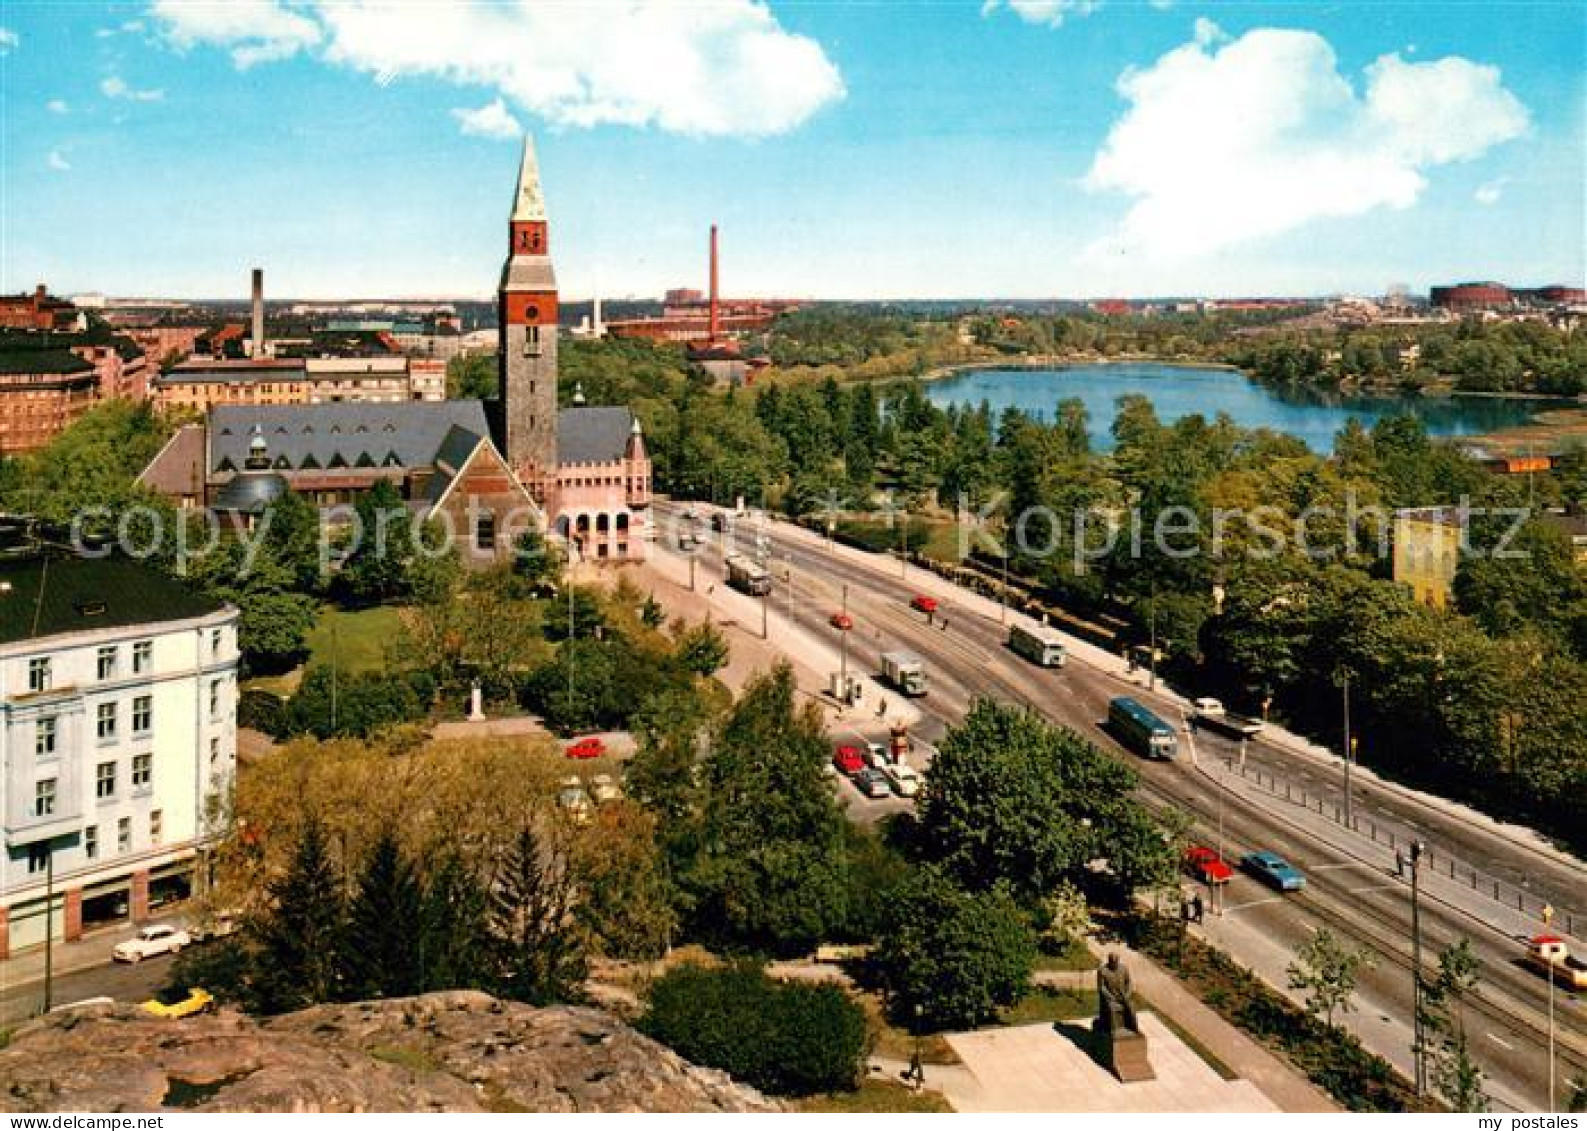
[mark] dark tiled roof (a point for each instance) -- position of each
(455, 451)
(51, 595)
(406, 434)
(593, 433)
(42, 361)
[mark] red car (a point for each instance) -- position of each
(848, 760)
(591, 747)
(841, 621)
(1207, 866)
(924, 604)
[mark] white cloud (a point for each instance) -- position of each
(57, 162)
(57, 106)
(1226, 142)
(720, 68)
(1048, 12)
(255, 31)
(491, 120)
(9, 41)
(1491, 192)
(116, 87)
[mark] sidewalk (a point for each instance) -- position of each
(92, 950)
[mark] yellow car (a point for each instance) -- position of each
(176, 1004)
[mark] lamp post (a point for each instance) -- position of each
(917, 1067)
(1548, 917)
(843, 653)
(903, 545)
(1152, 634)
(1350, 744)
(1002, 601)
(1417, 1050)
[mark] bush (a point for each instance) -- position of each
(357, 705)
(263, 711)
(790, 1039)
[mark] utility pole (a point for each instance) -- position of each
(843, 634)
(1350, 744)
(903, 546)
(765, 600)
(1418, 1038)
(573, 550)
(1002, 604)
(1152, 633)
(49, 927)
(1548, 917)
(335, 657)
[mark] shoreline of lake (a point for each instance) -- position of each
(1311, 414)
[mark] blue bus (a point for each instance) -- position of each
(1140, 730)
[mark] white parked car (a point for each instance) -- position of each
(1208, 708)
(604, 789)
(904, 780)
(152, 941)
(876, 755)
(572, 797)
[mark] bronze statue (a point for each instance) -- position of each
(1114, 1008)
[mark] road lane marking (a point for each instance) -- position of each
(1254, 903)
(1342, 864)
(1501, 1042)
(1376, 887)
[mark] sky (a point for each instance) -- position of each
(1010, 148)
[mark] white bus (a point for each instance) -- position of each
(1040, 645)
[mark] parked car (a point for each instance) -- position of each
(848, 760)
(1207, 866)
(905, 781)
(876, 755)
(872, 783)
(572, 797)
(85, 1003)
(152, 942)
(841, 621)
(1273, 870)
(591, 747)
(215, 926)
(604, 789)
(174, 1004)
(923, 604)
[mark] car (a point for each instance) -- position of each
(101, 1001)
(216, 925)
(1207, 866)
(876, 755)
(604, 789)
(1273, 870)
(905, 781)
(174, 1004)
(848, 760)
(688, 540)
(1208, 707)
(572, 797)
(923, 604)
(841, 621)
(590, 747)
(872, 783)
(151, 942)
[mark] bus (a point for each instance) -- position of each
(748, 575)
(1140, 730)
(1040, 645)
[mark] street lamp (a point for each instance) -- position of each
(843, 662)
(1350, 742)
(1548, 917)
(1417, 1050)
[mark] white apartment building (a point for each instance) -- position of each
(118, 725)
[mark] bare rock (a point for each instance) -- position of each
(456, 1051)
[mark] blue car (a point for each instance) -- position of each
(1273, 870)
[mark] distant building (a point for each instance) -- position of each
(1476, 298)
(117, 738)
(38, 311)
(50, 378)
(1427, 543)
(1573, 524)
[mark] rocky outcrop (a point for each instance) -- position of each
(458, 1051)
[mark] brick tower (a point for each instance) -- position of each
(527, 310)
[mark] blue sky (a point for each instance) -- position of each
(1067, 148)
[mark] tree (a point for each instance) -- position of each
(702, 649)
(383, 550)
(1325, 970)
(540, 954)
(1065, 918)
(770, 872)
(959, 956)
(454, 941)
(302, 933)
(536, 559)
(1011, 798)
(626, 906)
(383, 923)
(1455, 1072)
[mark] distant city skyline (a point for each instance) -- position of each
(1021, 150)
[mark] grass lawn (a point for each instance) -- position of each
(891, 1041)
(1075, 957)
(1045, 1003)
(356, 641)
(875, 1095)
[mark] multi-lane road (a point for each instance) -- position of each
(1353, 888)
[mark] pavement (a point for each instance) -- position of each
(81, 969)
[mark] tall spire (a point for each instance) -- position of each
(529, 205)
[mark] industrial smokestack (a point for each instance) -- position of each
(258, 312)
(716, 317)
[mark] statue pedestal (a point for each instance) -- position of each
(1123, 1053)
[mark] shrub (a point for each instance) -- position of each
(790, 1039)
(263, 711)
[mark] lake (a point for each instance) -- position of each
(1179, 390)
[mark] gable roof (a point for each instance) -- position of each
(593, 433)
(338, 435)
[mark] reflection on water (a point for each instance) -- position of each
(1176, 390)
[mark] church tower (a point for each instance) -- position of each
(527, 312)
